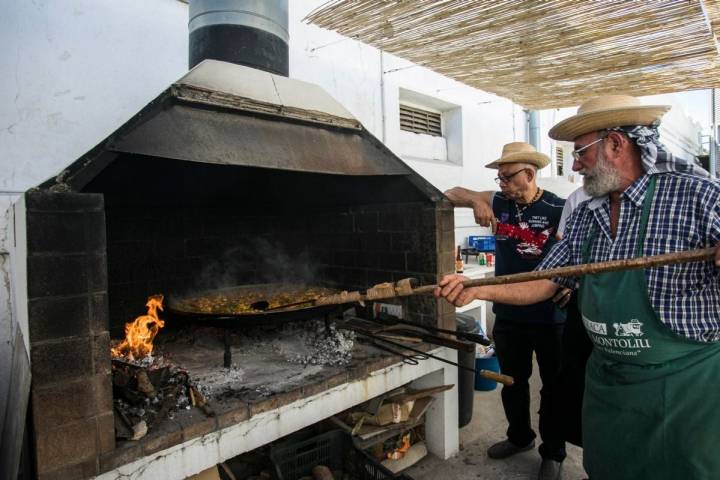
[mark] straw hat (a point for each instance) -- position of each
(606, 112)
(515, 152)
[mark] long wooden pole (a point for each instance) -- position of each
(687, 256)
(589, 269)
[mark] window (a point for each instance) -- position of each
(559, 161)
(428, 128)
(417, 120)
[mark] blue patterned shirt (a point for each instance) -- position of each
(685, 215)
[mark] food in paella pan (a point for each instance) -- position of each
(238, 300)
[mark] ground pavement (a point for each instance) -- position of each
(488, 426)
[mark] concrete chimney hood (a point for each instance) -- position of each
(229, 114)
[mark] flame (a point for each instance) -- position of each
(139, 335)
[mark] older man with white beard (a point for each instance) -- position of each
(656, 332)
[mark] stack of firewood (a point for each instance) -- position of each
(144, 395)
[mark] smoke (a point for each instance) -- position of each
(258, 260)
(278, 266)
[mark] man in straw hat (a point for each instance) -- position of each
(525, 219)
(656, 332)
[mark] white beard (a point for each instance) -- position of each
(602, 179)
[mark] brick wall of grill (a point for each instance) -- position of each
(69, 341)
(175, 250)
(91, 266)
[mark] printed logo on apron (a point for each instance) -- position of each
(630, 329)
(595, 327)
(624, 338)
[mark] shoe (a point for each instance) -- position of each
(550, 470)
(506, 449)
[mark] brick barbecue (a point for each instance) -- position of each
(234, 175)
(216, 182)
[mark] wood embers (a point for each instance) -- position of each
(145, 395)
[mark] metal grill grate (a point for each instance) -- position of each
(420, 121)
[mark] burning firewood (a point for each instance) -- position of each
(144, 384)
(148, 389)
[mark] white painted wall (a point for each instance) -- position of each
(73, 71)
(7, 326)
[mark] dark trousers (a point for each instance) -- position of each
(515, 344)
(577, 348)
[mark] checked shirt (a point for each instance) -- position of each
(685, 215)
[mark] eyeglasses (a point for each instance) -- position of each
(580, 152)
(502, 179)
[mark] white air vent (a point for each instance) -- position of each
(417, 120)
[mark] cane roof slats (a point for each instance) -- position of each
(544, 54)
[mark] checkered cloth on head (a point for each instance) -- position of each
(655, 156)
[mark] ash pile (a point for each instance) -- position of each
(263, 360)
(316, 343)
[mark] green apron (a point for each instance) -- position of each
(652, 400)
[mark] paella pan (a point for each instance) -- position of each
(234, 303)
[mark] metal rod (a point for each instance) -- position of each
(472, 337)
(422, 334)
(409, 359)
(498, 377)
(400, 345)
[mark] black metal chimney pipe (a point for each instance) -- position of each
(248, 32)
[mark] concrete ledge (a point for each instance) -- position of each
(200, 453)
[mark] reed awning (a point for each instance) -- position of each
(544, 54)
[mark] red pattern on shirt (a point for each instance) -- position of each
(524, 233)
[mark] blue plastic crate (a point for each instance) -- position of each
(482, 243)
